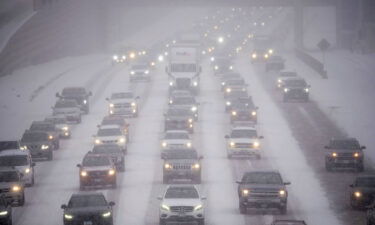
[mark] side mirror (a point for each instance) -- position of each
(260, 137)
(160, 198)
(64, 206)
(79, 165)
(363, 147)
(287, 183)
(111, 204)
(226, 136)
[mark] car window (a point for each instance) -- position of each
(183, 100)
(73, 91)
(87, 201)
(121, 95)
(9, 176)
(181, 154)
(65, 104)
(34, 137)
(109, 132)
(42, 126)
(244, 134)
(236, 82)
(365, 182)
(344, 144)
(175, 67)
(262, 178)
(13, 160)
(96, 161)
(176, 136)
(296, 83)
(178, 112)
(139, 67)
(181, 192)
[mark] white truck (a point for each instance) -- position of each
(184, 67)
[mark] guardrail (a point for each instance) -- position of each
(312, 62)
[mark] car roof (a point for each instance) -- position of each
(10, 152)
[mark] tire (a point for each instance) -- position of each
(283, 210)
(22, 201)
(243, 209)
(162, 222)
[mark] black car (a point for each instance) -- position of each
(179, 119)
(222, 65)
(118, 120)
(5, 211)
(114, 152)
(79, 94)
(5, 145)
(244, 110)
(38, 143)
(88, 209)
(234, 97)
(362, 191)
(296, 88)
(48, 127)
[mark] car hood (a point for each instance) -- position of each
(35, 143)
(123, 100)
(86, 210)
(181, 118)
(67, 110)
(269, 187)
(185, 161)
(182, 202)
(106, 138)
(176, 141)
(243, 140)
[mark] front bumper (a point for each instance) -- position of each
(344, 163)
(296, 95)
(169, 216)
(88, 219)
(263, 203)
(244, 152)
(182, 174)
(123, 111)
(94, 181)
(14, 198)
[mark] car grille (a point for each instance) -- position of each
(88, 217)
(259, 193)
(243, 145)
(122, 105)
(181, 166)
(345, 156)
(183, 82)
(109, 141)
(180, 209)
(33, 147)
(98, 173)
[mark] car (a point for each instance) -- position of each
(243, 109)
(97, 170)
(178, 119)
(179, 93)
(263, 48)
(117, 120)
(111, 134)
(140, 71)
(5, 211)
(9, 144)
(181, 203)
(186, 102)
(88, 208)
(50, 128)
(243, 141)
(182, 164)
(123, 103)
(176, 139)
(288, 222)
(122, 55)
(115, 152)
(282, 76)
(234, 97)
(228, 76)
(262, 190)
(344, 152)
(370, 214)
(222, 65)
(80, 94)
(187, 83)
(232, 85)
(61, 125)
(68, 108)
(275, 62)
(20, 160)
(362, 191)
(11, 186)
(295, 88)
(38, 143)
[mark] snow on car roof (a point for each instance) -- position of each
(13, 152)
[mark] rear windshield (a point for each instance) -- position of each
(181, 192)
(13, 160)
(262, 178)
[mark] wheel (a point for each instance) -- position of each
(165, 180)
(283, 210)
(22, 200)
(162, 222)
(242, 209)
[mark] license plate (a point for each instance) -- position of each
(87, 222)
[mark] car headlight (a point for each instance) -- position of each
(110, 111)
(111, 105)
(24, 147)
(115, 57)
(357, 194)
(152, 64)
(286, 90)
(253, 113)
(44, 147)
(122, 140)
(254, 56)
(356, 155)
(188, 144)
(334, 154)
(66, 128)
(266, 56)
(190, 120)
(228, 90)
(3, 213)
(50, 137)
(16, 188)
(97, 141)
(170, 83)
(256, 144)
(194, 108)
(212, 59)
(133, 104)
(228, 103)
(27, 170)
(307, 90)
(147, 72)
(132, 72)
(222, 83)
(282, 193)
(198, 207)
(167, 166)
(68, 216)
(164, 144)
(161, 58)
(196, 166)
(270, 51)
(164, 207)
(245, 192)
(216, 67)
(124, 57)
(134, 110)
(231, 68)
(111, 172)
(132, 55)
(85, 101)
(234, 113)
(195, 83)
(279, 81)
(83, 173)
(232, 144)
(106, 214)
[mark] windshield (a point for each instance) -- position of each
(230, 76)
(121, 95)
(181, 154)
(235, 82)
(56, 120)
(262, 178)
(290, 223)
(176, 136)
(65, 104)
(244, 134)
(345, 144)
(109, 132)
(178, 112)
(139, 67)
(113, 122)
(288, 74)
(87, 201)
(181, 192)
(14, 160)
(183, 101)
(9, 176)
(296, 83)
(34, 137)
(95, 161)
(73, 92)
(42, 126)
(183, 68)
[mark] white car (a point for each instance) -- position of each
(181, 203)
(61, 124)
(20, 160)
(123, 103)
(111, 134)
(176, 139)
(243, 141)
(68, 108)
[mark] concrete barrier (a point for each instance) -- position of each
(312, 62)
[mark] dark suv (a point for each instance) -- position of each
(50, 128)
(11, 186)
(5, 211)
(179, 119)
(362, 191)
(181, 164)
(296, 88)
(79, 94)
(88, 208)
(244, 110)
(262, 190)
(344, 152)
(5, 145)
(114, 152)
(38, 143)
